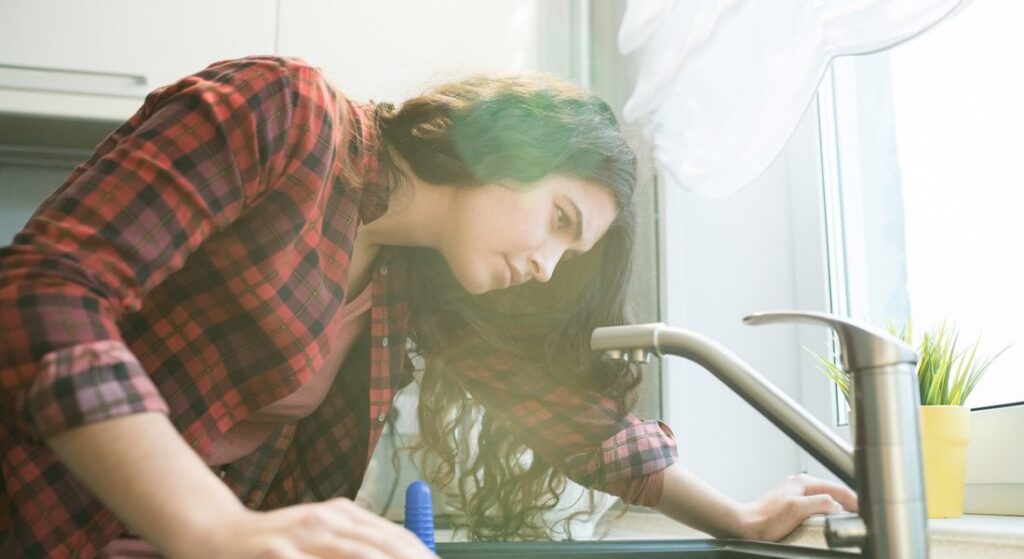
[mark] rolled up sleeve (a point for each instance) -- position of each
(641, 449)
(183, 167)
(86, 383)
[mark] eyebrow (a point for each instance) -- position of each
(579, 221)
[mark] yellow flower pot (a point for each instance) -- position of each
(944, 436)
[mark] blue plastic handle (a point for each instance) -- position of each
(419, 512)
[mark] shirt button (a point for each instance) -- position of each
(384, 342)
(383, 270)
(381, 417)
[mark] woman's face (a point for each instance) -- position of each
(506, 234)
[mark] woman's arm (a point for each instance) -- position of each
(688, 499)
(151, 479)
(585, 433)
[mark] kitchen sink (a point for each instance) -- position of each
(619, 549)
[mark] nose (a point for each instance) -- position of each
(542, 263)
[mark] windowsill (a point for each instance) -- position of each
(980, 536)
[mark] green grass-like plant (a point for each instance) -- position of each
(946, 375)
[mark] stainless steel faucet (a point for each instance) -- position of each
(884, 467)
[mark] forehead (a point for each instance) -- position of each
(582, 191)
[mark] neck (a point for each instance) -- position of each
(415, 212)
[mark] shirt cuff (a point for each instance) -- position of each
(84, 384)
(638, 450)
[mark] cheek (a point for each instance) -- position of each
(495, 223)
(475, 262)
(529, 224)
(510, 230)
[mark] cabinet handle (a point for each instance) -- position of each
(95, 83)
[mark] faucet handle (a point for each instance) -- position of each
(862, 346)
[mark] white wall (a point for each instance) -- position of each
(388, 50)
(22, 189)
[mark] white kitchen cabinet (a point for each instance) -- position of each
(388, 50)
(98, 59)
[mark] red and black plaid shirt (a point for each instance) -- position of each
(194, 266)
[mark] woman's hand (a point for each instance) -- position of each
(773, 516)
(333, 529)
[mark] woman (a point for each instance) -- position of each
(205, 326)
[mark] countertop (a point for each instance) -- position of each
(974, 536)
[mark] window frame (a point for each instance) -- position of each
(838, 281)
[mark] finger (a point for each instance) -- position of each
(283, 550)
(359, 524)
(360, 515)
(350, 507)
(819, 504)
(844, 495)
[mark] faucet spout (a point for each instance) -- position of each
(832, 451)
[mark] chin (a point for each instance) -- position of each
(473, 285)
(479, 288)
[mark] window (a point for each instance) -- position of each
(923, 161)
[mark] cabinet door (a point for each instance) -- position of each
(119, 48)
(388, 50)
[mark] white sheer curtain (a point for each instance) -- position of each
(723, 83)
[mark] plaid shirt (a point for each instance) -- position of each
(194, 266)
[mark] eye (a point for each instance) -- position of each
(564, 222)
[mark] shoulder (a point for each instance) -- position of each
(281, 88)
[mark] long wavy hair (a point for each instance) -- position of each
(482, 130)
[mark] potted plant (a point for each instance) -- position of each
(946, 376)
